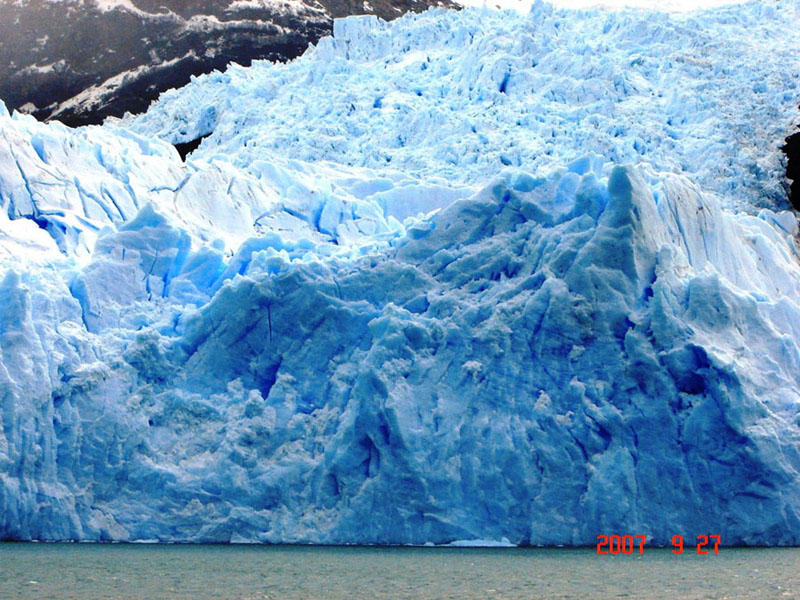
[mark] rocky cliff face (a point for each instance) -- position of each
(80, 61)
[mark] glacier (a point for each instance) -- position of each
(475, 275)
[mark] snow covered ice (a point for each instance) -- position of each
(516, 279)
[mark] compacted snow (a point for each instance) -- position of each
(515, 279)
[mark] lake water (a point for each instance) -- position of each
(109, 571)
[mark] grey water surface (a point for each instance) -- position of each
(109, 571)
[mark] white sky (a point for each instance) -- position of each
(670, 5)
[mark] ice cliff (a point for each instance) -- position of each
(469, 275)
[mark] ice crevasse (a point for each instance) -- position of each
(264, 345)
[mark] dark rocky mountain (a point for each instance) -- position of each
(80, 61)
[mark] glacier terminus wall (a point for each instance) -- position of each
(465, 276)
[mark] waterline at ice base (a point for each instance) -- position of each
(468, 276)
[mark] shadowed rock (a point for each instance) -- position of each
(792, 151)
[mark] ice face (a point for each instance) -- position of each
(710, 93)
(253, 346)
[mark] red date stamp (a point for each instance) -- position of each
(628, 544)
